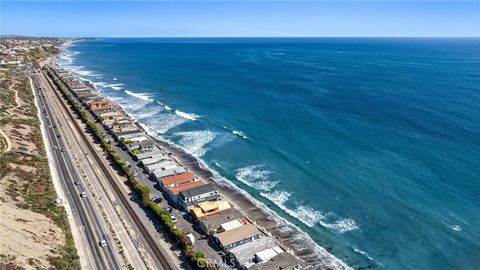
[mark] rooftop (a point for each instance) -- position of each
(283, 261)
(145, 143)
(246, 252)
(233, 224)
(151, 154)
(161, 165)
(198, 191)
(208, 208)
(178, 189)
(176, 179)
(238, 234)
(128, 132)
(165, 173)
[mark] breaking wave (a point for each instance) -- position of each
(240, 134)
(342, 225)
(142, 96)
(255, 176)
(194, 142)
(188, 116)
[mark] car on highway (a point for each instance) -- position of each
(76, 182)
(83, 194)
(63, 150)
(102, 243)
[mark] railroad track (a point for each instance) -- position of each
(150, 240)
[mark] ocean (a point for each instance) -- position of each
(370, 146)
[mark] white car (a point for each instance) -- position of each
(174, 219)
(83, 194)
(102, 243)
(191, 237)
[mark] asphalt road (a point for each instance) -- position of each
(84, 212)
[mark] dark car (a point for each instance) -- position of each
(158, 200)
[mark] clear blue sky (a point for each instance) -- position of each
(235, 19)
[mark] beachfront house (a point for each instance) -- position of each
(116, 128)
(100, 111)
(245, 255)
(174, 191)
(282, 261)
(208, 208)
(131, 135)
(158, 175)
(161, 166)
(236, 237)
(191, 197)
(151, 154)
(84, 96)
(173, 181)
(154, 160)
(142, 146)
(225, 220)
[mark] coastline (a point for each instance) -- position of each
(284, 231)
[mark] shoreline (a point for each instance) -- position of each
(288, 234)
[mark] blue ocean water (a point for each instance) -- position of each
(370, 146)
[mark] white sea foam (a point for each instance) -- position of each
(363, 253)
(148, 113)
(84, 72)
(342, 225)
(255, 176)
(194, 142)
(161, 123)
(239, 133)
(116, 86)
(114, 79)
(188, 116)
(167, 108)
(308, 215)
(69, 56)
(304, 214)
(142, 96)
(456, 228)
(279, 197)
(73, 68)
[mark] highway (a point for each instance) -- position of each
(94, 179)
(83, 210)
(146, 235)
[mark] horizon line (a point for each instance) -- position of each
(232, 37)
